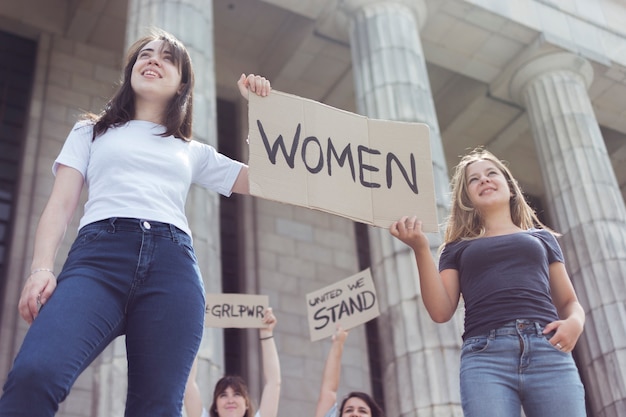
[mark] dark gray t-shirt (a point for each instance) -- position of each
(504, 278)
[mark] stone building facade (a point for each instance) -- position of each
(541, 83)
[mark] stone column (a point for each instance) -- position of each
(587, 207)
(191, 21)
(420, 357)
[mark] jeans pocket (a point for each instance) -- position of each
(546, 338)
(86, 237)
(475, 345)
(188, 250)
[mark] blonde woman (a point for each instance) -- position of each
(522, 316)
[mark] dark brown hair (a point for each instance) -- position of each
(121, 107)
(374, 408)
(238, 385)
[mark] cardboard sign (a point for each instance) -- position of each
(235, 310)
(312, 155)
(349, 302)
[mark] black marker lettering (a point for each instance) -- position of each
(273, 150)
(362, 167)
(412, 185)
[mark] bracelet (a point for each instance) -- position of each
(266, 338)
(34, 271)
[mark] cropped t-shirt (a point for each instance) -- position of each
(131, 171)
(504, 278)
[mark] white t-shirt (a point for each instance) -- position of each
(131, 171)
(333, 412)
(205, 413)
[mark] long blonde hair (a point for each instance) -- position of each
(465, 222)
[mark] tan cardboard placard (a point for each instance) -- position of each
(308, 154)
(235, 310)
(349, 302)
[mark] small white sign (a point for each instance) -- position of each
(349, 302)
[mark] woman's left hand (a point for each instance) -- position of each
(567, 333)
(253, 83)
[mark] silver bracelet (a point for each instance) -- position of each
(34, 271)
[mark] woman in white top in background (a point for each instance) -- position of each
(230, 395)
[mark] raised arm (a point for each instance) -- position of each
(193, 399)
(57, 214)
(271, 367)
(249, 84)
(332, 372)
(440, 292)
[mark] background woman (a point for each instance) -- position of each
(230, 395)
(357, 404)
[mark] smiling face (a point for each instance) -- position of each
(230, 398)
(486, 185)
(155, 74)
(156, 86)
(231, 403)
(480, 183)
(355, 407)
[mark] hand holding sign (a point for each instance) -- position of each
(254, 83)
(340, 334)
(269, 320)
(409, 231)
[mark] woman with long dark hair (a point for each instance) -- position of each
(132, 269)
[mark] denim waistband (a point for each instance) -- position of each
(114, 224)
(516, 327)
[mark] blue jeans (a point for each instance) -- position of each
(122, 277)
(515, 366)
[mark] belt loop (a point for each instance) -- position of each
(539, 329)
(112, 224)
(173, 232)
(492, 334)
